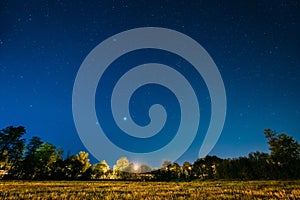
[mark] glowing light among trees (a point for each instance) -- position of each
(136, 166)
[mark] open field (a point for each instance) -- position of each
(149, 190)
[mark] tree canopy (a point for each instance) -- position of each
(42, 160)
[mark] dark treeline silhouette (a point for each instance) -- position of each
(38, 160)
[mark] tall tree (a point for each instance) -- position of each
(46, 156)
(283, 147)
(78, 166)
(12, 146)
(285, 154)
(33, 145)
(29, 164)
(205, 168)
(187, 171)
(261, 165)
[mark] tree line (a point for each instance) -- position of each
(38, 160)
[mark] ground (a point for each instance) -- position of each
(149, 190)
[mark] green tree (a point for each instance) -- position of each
(119, 169)
(169, 171)
(33, 145)
(205, 168)
(285, 154)
(28, 167)
(46, 156)
(283, 147)
(100, 170)
(121, 164)
(175, 171)
(12, 147)
(261, 165)
(164, 173)
(78, 166)
(187, 171)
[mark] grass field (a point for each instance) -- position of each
(149, 190)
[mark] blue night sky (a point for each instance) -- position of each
(255, 45)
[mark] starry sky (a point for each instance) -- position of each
(255, 45)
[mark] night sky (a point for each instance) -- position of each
(255, 45)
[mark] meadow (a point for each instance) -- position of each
(149, 190)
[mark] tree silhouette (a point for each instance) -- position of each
(261, 165)
(46, 156)
(42, 160)
(12, 147)
(77, 166)
(285, 154)
(28, 168)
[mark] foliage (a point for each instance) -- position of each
(121, 164)
(42, 160)
(100, 170)
(78, 166)
(28, 167)
(12, 147)
(285, 155)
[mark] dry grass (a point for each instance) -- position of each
(149, 190)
